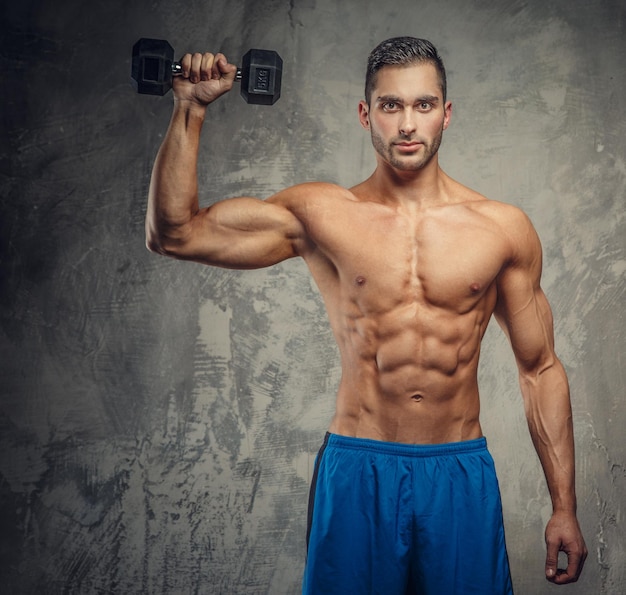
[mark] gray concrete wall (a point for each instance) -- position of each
(159, 420)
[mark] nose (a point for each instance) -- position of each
(408, 123)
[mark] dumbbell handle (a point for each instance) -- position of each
(177, 70)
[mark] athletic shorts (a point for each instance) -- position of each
(393, 519)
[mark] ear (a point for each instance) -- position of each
(364, 115)
(447, 114)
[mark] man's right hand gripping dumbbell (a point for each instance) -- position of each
(203, 78)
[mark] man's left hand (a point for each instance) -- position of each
(563, 534)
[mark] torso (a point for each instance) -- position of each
(409, 294)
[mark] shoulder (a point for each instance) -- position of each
(314, 202)
(309, 194)
(501, 214)
(514, 225)
(303, 205)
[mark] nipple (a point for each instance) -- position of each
(360, 281)
(474, 287)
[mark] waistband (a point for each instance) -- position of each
(407, 450)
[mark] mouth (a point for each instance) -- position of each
(408, 146)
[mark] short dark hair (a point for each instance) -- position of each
(402, 51)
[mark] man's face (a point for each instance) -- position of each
(406, 115)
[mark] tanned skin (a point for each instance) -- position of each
(411, 265)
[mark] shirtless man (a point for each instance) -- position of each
(411, 265)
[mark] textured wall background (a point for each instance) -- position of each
(158, 419)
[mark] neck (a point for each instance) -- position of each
(422, 188)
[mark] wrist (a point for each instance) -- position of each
(565, 505)
(190, 107)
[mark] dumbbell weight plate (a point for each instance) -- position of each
(261, 77)
(151, 70)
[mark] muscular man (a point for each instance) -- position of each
(411, 265)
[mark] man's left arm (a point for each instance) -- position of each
(523, 312)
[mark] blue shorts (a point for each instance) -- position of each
(394, 518)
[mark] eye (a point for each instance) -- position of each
(424, 106)
(390, 106)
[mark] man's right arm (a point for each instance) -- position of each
(234, 233)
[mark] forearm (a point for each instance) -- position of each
(173, 195)
(549, 415)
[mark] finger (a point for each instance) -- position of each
(196, 67)
(571, 574)
(207, 66)
(563, 576)
(552, 559)
(223, 68)
(213, 67)
(185, 64)
(218, 65)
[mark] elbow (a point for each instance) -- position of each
(161, 244)
(166, 237)
(154, 242)
(153, 239)
(155, 246)
(164, 248)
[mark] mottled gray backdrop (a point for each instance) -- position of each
(159, 420)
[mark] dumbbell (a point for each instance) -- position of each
(153, 67)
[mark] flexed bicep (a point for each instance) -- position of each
(239, 233)
(235, 233)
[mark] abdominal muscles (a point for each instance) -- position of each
(409, 375)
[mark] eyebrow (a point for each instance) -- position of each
(429, 98)
(395, 99)
(388, 98)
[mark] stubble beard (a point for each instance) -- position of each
(406, 162)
